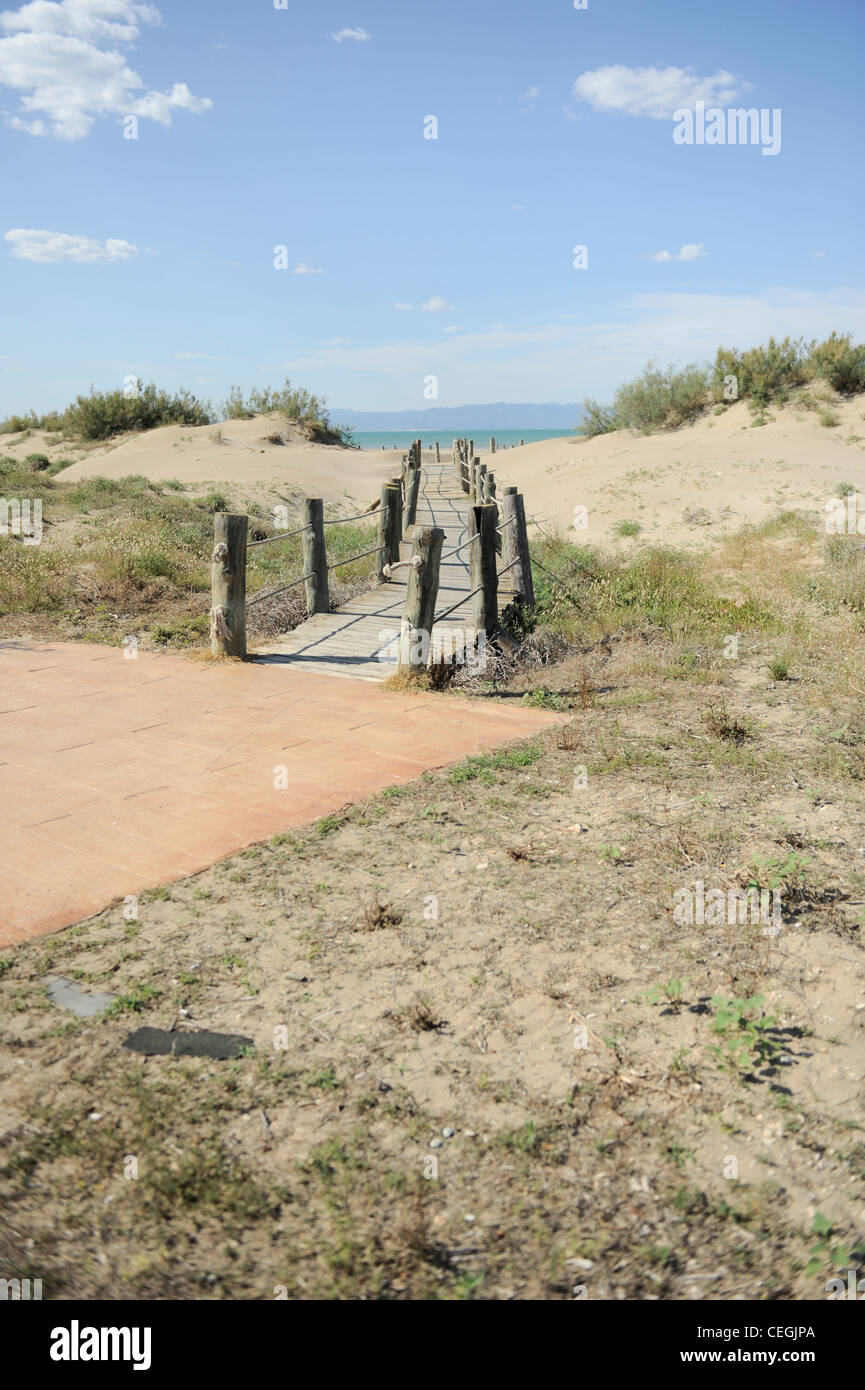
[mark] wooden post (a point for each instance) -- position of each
(521, 443)
(411, 495)
(492, 445)
(489, 487)
(484, 577)
(315, 557)
(420, 598)
(394, 525)
(384, 522)
(471, 449)
(228, 585)
(515, 546)
(438, 455)
(464, 477)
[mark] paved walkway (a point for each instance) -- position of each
(359, 641)
(117, 775)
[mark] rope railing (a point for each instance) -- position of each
(414, 563)
(337, 520)
(327, 521)
(454, 606)
(257, 598)
(498, 526)
(283, 536)
(336, 564)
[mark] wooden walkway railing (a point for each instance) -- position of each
(491, 526)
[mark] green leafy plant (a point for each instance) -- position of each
(745, 1034)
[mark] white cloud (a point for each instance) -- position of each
(517, 207)
(654, 92)
(403, 308)
(692, 252)
(187, 356)
(528, 98)
(30, 245)
(568, 360)
(338, 342)
(306, 269)
(435, 305)
(359, 34)
(452, 328)
(63, 57)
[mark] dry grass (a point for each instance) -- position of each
(521, 1079)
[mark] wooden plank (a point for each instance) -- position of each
(349, 642)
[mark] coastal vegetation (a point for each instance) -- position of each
(771, 374)
(104, 415)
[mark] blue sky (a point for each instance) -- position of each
(303, 127)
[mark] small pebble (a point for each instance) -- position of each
(469, 1133)
(435, 1143)
(469, 1217)
(94, 1115)
(447, 1134)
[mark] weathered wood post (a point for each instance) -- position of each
(420, 598)
(521, 443)
(228, 585)
(484, 576)
(465, 484)
(471, 447)
(490, 499)
(438, 455)
(315, 557)
(394, 498)
(492, 445)
(515, 546)
(412, 488)
(384, 524)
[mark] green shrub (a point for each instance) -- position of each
(104, 414)
(20, 424)
(597, 419)
(295, 403)
(763, 374)
(654, 400)
(847, 373)
(216, 502)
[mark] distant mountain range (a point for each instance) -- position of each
(503, 415)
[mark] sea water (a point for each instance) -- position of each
(401, 440)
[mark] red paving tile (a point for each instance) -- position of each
(118, 775)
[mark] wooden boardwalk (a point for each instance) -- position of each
(359, 640)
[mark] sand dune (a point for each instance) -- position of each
(684, 486)
(238, 453)
(687, 485)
